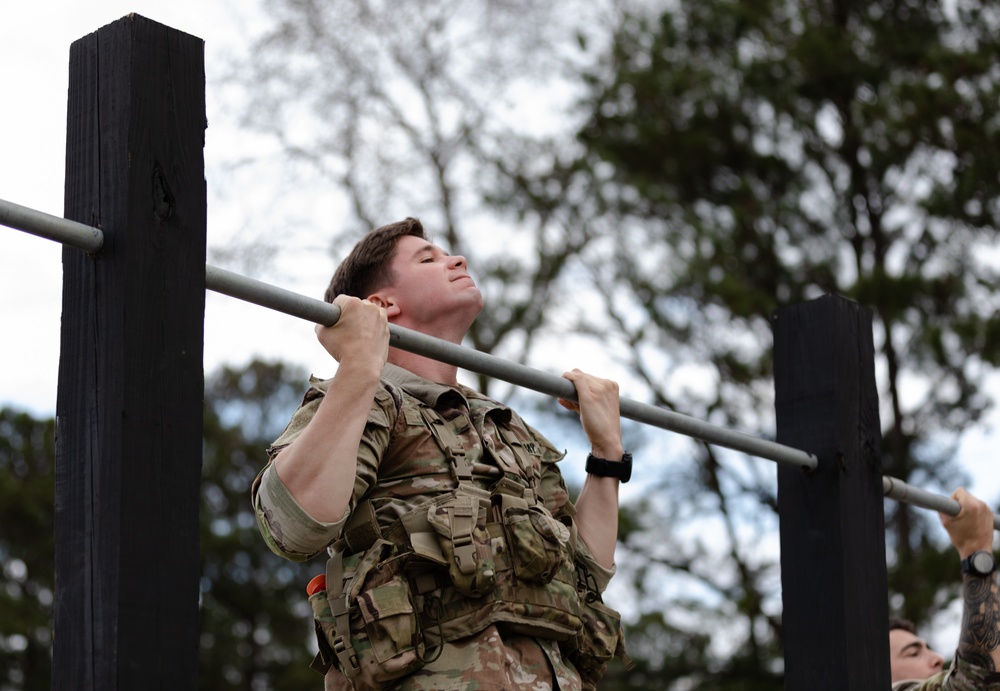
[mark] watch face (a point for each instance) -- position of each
(982, 562)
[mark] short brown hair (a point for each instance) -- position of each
(367, 267)
(905, 624)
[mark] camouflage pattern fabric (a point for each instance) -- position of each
(486, 661)
(962, 676)
(401, 465)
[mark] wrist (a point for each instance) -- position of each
(621, 469)
(611, 452)
(970, 546)
(979, 563)
(360, 369)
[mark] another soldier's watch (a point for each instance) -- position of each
(980, 563)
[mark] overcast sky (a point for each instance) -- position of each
(35, 40)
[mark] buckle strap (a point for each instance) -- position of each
(512, 491)
(463, 514)
(450, 442)
(341, 643)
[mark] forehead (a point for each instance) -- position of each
(900, 639)
(408, 246)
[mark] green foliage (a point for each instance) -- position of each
(797, 148)
(256, 629)
(27, 549)
(762, 154)
(739, 156)
(255, 619)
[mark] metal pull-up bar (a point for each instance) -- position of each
(294, 304)
(320, 312)
(63, 230)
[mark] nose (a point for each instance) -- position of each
(937, 662)
(457, 260)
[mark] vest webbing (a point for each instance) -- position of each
(362, 528)
(446, 614)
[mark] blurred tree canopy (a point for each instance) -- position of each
(256, 630)
(431, 109)
(766, 153)
(27, 549)
(708, 162)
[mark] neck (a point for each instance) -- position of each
(429, 369)
(452, 330)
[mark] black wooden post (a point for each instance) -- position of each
(131, 385)
(833, 571)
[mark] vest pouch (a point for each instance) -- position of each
(601, 639)
(391, 625)
(460, 524)
(538, 543)
(383, 635)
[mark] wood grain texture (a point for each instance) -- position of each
(833, 571)
(131, 384)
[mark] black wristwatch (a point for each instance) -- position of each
(979, 563)
(603, 468)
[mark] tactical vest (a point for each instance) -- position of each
(452, 566)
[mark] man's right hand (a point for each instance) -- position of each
(360, 335)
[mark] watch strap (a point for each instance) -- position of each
(604, 468)
(980, 563)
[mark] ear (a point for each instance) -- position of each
(385, 301)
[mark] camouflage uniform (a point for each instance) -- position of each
(962, 676)
(400, 465)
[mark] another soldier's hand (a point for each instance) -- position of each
(360, 336)
(600, 412)
(972, 528)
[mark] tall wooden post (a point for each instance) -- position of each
(131, 384)
(833, 571)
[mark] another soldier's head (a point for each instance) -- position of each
(369, 265)
(909, 656)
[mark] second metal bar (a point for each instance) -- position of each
(901, 491)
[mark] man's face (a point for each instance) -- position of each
(432, 286)
(910, 657)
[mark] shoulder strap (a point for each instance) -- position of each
(449, 442)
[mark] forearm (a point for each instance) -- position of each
(980, 636)
(319, 467)
(597, 518)
(971, 530)
(597, 505)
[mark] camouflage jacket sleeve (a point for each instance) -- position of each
(962, 676)
(287, 529)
